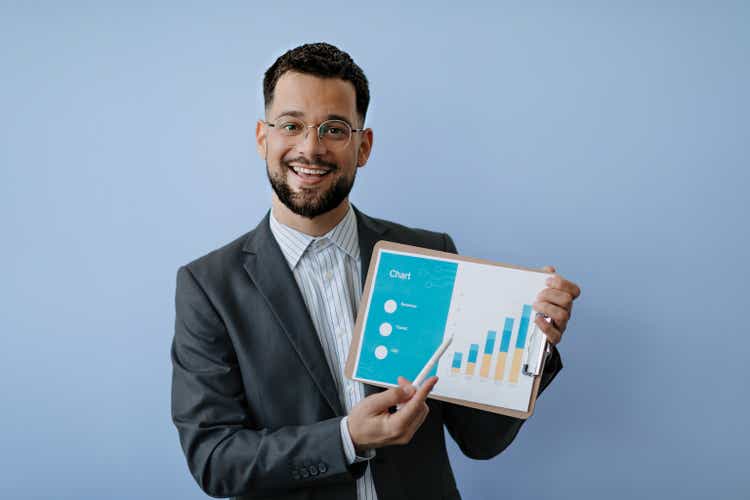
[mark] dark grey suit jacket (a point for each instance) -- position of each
(253, 398)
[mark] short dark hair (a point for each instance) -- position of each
(323, 60)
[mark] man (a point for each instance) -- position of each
(264, 323)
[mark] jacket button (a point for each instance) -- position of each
(304, 473)
(322, 467)
(313, 470)
(295, 474)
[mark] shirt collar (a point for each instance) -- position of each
(294, 243)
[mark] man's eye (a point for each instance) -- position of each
(289, 127)
(334, 131)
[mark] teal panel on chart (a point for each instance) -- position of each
(408, 312)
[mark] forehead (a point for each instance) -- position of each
(313, 96)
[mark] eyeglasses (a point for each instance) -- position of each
(334, 134)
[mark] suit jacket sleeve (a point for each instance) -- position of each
(481, 434)
(227, 454)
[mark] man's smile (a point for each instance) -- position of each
(309, 174)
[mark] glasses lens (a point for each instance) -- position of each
(289, 127)
(335, 133)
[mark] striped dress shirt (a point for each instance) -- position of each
(327, 270)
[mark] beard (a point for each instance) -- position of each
(310, 202)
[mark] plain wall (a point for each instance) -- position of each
(609, 141)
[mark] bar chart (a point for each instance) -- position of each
(499, 357)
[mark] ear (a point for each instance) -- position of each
(260, 139)
(363, 153)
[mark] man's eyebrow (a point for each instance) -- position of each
(295, 114)
(338, 117)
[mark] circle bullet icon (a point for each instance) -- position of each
(390, 306)
(385, 329)
(381, 352)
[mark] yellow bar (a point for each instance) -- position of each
(470, 368)
(500, 368)
(515, 368)
(484, 371)
(455, 370)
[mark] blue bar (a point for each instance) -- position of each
(490, 343)
(507, 332)
(521, 341)
(473, 353)
(456, 360)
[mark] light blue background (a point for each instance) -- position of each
(610, 141)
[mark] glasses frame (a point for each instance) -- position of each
(319, 129)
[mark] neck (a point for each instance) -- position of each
(317, 226)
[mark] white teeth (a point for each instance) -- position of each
(310, 171)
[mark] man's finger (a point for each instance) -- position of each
(411, 409)
(557, 297)
(407, 420)
(549, 269)
(557, 281)
(381, 401)
(425, 389)
(559, 315)
(553, 334)
(403, 382)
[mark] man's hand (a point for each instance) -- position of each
(371, 425)
(556, 302)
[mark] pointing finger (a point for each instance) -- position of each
(381, 401)
(409, 410)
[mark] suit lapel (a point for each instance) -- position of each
(369, 232)
(270, 272)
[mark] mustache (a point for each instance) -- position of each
(318, 162)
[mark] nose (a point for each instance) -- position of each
(310, 144)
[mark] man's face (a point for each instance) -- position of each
(311, 100)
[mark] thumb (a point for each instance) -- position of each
(549, 269)
(381, 401)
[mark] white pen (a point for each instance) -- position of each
(434, 359)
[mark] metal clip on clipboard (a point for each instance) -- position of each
(538, 350)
